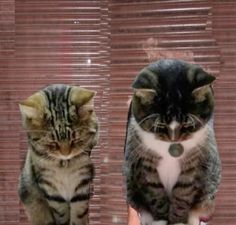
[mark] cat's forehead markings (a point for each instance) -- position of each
(173, 125)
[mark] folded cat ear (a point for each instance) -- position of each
(200, 82)
(144, 84)
(83, 100)
(199, 78)
(146, 80)
(80, 96)
(146, 96)
(31, 108)
(201, 93)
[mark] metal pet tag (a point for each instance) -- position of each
(176, 150)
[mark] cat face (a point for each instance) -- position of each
(60, 121)
(172, 99)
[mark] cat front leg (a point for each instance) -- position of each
(36, 206)
(180, 204)
(145, 191)
(79, 209)
(39, 212)
(202, 211)
(57, 204)
(60, 211)
(147, 219)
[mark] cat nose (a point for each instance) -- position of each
(65, 148)
(174, 131)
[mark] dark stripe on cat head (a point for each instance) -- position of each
(80, 197)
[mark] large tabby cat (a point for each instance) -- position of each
(172, 166)
(62, 129)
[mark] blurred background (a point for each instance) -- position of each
(102, 45)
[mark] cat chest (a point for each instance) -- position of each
(168, 170)
(169, 167)
(66, 183)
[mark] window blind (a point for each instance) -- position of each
(55, 42)
(197, 31)
(102, 45)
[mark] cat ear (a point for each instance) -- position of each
(199, 78)
(144, 84)
(28, 111)
(146, 96)
(146, 80)
(200, 93)
(80, 96)
(31, 108)
(83, 100)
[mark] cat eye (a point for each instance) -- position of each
(92, 131)
(188, 127)
(35, 138)
(76, 142)
(161, 128)
(53, 145)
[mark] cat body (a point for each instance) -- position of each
(172, 105)
(55, 181)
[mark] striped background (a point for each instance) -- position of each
(102, 45)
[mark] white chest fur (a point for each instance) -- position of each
(169, 167)
(169, 170)
(66, 183)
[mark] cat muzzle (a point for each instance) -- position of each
(174, 134)
(65, 148)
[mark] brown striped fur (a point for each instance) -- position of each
(62, 129)
(171, 92)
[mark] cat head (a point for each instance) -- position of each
(172, 99)
(60, 121)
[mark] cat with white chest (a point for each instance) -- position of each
(172, 166)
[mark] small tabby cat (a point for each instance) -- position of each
(62, 129)
(172, 167)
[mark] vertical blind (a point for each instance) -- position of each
(102, 45)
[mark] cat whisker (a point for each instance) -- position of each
(148, 117)
(157, 125)
(80, 127)
(195, 118)
(191, 123)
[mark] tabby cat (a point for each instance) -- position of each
(62, 129)
(172, 167)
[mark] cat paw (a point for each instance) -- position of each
(203, 223)
(180, 224)
(160, 222)
(146, 218)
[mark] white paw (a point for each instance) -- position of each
(180, 224)
(202, 223)
(146, 218)
(159, 222)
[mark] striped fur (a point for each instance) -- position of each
(56, 179)
(172, 104)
